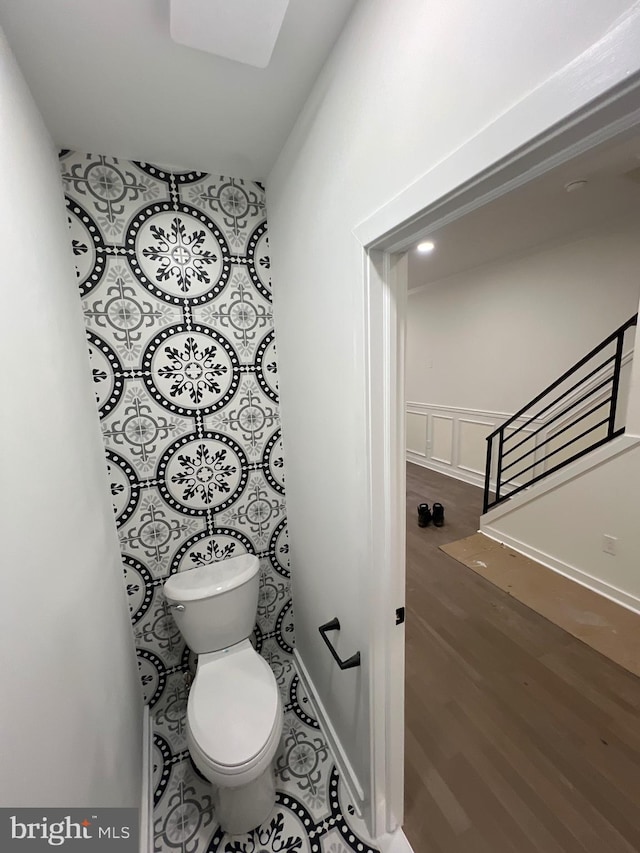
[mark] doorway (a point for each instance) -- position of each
(494, 691)
(387, 240)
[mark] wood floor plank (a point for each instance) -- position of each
(518, 736)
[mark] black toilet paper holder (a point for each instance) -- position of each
(334, 625)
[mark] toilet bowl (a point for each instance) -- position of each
(234, 715)
(234, 724)
(234, 711)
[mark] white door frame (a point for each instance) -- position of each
(593, 99)
(385, 277)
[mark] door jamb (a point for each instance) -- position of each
(385, 297)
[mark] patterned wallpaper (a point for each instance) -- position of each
(173, 271)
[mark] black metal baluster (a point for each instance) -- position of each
(487, 474)
(616, 384)
(499, 471)
(556, 408)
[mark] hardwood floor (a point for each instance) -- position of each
(518, 736)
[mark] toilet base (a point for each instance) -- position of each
(239, 810)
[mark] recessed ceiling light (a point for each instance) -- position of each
(426, 247)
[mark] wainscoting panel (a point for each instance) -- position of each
(454, 440)
(442, 429)
(417, 433)
(472, 445)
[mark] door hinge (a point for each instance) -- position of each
(399, 615)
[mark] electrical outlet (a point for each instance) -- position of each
(609, 544)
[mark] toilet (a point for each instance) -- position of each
(234, 712)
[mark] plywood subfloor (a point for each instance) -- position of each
(612, 630)
(519, 737)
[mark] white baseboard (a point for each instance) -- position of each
(345, 768)
(621, 597)
(396, 842)
(146, 799)
(450, 470)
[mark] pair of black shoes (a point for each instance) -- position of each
(426, 516)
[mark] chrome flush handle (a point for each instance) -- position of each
(179, 607)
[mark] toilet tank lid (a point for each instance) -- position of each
(212, 578)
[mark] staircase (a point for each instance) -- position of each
(582, 410)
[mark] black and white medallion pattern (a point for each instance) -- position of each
(313, 813)
(173, 272)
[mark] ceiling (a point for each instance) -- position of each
(108, 79)
(541, 212)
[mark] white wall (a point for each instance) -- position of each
(494, 337)
(563, 526)
(408, 83)
(71, 708)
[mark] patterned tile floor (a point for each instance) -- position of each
(312, 813)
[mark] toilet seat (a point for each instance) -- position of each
(234, 715)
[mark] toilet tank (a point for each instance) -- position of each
(215, 605)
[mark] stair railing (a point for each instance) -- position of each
(590, 400)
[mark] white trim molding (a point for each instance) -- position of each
(590, 100)
(396, 842)
(385, 288)
(435, 437)
(625, 599)
(146, 799)
(490, 522)
(345, 767)
(466, 461)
